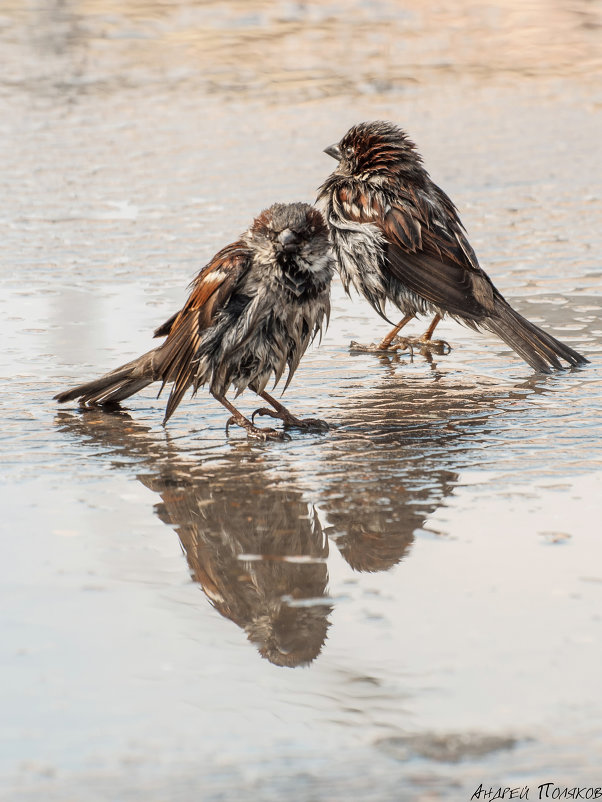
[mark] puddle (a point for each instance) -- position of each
(408, 603)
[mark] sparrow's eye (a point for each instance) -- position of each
(348, 151)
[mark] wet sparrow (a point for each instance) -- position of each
(251, 314)
(397, 237)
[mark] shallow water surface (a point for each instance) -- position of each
(404, 607)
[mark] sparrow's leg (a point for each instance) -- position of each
(239, 419)
(426, 342)
(428, 334)
(394, 343)
(287, 417)
(386, 342)
(427, 338)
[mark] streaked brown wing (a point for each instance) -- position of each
(436, 263)
(211, 290)
(165, 328)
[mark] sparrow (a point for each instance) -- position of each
(251, 314)
(397, 237)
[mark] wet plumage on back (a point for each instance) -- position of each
(398, 237)
(252, 313)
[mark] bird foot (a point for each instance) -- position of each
(398, 344)
(421, 344)
(256, 432)
(437, 346)
(293, 422)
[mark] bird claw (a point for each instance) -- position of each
(310, 424)
(264, 411)
(437, 346)
(422, 345)
(256, 432)
(398, 344)
(230, 422)
(291, 422)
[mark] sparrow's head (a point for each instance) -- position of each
(292, 234)
(289, 634)
(370, 149)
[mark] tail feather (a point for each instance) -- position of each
(115, 386)
(538, 348)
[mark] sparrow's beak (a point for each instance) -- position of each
(335, 152)
(288, 240)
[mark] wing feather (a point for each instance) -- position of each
(436, 262)
(426, 248)
(211, 291)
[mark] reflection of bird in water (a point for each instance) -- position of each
(398, 453)
(374, 510)
(257, 549)
(256, 546)
(379, 487)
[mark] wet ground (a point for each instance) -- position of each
(403, 608)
